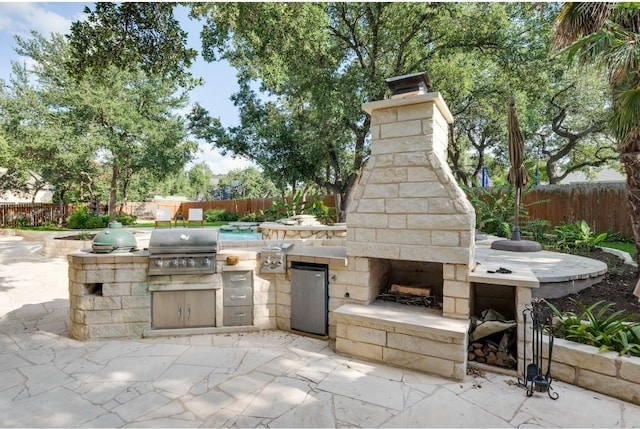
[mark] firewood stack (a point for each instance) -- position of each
(490, 353)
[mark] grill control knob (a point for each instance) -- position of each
(206, 262)
(182, 262)
(191, 262)
(159, 263)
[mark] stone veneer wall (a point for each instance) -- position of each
(604, 372)
(108, 295)
(407, 204)
(277, 232)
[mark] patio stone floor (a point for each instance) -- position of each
(258, 379)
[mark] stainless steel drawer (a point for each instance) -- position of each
(237, 279)
(237, 316)
(236, 296)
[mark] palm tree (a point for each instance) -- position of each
(608, 35)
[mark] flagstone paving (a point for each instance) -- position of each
(258, 379)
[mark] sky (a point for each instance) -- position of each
(20, 18)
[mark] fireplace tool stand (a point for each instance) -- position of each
(533, 378)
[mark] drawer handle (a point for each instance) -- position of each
(238, 279)
(241, 314)
(238, 297)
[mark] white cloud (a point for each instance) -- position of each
(20, 18)
(220, 164)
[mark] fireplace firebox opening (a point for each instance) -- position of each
(411, 282)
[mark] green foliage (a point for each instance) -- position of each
(625, 246)
(597, 326)
(299, 205)
(254, 217)
(126, 220)
(80, 218)
(577, 236)
(220, 215)
(495, 210)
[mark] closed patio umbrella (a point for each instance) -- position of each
(517, 173)
(518, 178)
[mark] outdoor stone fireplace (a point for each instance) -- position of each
(414, 225)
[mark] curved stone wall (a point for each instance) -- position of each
(275, 231)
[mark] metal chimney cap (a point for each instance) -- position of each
(407, 84)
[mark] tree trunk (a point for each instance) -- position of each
(115, 171)
(631, 162)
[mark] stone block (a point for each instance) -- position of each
(434, 254)
(397, 221)
(388, 175)
(456, 289)
(448, 271)
(97, 317)
(630, 368)
(283, 299)
(130, 275)
(445, 238)
(131, 315)
(374, 250)
(429, 364)
(415, 111)
(136, 329)
(609, 386)
(107, 303)
(358, 349)
(107, 331)
(361, 264)
(361, 334)
(422, 190)
(462, 272)
(84, 302)
(427, 347)
(458, 222)
(417, 237)
(383, 190)
(406, 205)
(439, 205)
(116, 289)
(399, 145)
(414, 159)
(364, 234)
(136, 302)
(448, 305)
(80, 332)
(140, 289)
(283, 311)
(358, 220)
(386, 160)
(384, 116)
(371, 205)
(463, 308)
(101, 276)
(586, 357)
(401, 129)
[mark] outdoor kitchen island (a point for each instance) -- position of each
(409, 225)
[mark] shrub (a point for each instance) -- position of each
(577, 236)
(220, 215)
(254, 217)
(495, 210)
(80, 218)
(599, 327)
(126, 219)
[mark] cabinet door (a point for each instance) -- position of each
(167, 310)
(200, 308)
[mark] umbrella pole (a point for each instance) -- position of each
(516, 228)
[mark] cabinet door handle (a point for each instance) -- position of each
(238, 279)
(179, 311)
(188, 311)
(241, 314)
(233, 297)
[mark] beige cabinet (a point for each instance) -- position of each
(183, 309)
(237, 298)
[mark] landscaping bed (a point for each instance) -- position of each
(616, 287)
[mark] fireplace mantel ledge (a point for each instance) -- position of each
(522, 277)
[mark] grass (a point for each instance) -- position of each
(630, 248)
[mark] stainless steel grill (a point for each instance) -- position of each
(183, 251)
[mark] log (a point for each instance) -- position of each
(411, 290)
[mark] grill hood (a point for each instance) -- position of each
(183, 240)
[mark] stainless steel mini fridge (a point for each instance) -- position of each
(309, 298)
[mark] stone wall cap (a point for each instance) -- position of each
(429, 97)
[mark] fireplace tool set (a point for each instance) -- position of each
(533, 377)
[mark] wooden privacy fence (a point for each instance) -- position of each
(602, 205)
(30, 214)
(248, 205)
